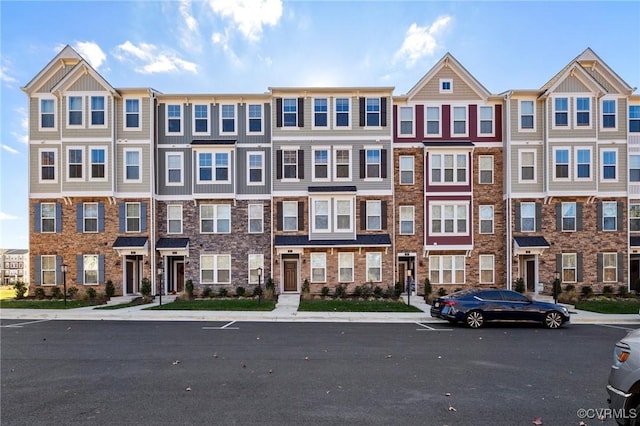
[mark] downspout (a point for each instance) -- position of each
(152, 189)
(507, 179)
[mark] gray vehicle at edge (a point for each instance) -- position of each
(624, 380)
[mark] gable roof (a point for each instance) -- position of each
(80, 68)
(448, 60)
(66, 55)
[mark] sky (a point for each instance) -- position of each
(247, 46)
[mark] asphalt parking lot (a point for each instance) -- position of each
(243, 373)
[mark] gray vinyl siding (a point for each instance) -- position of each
(515, 121)
(183, 139)
(621, 171)
(621, 121)
(603, 77)
(145, 168)
(86, 130)
(573, 184)
(54, 79)
(161, 172)
(88, 185)
(572, 84)
(34, 171)
(146, 111)
(431, 91)
(34, 121)
(515, 171)
(572, 131)
(86, 83)
(241, 172)
(212, 188)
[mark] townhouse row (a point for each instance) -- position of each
(335, 185)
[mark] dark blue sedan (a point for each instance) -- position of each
(475, 307)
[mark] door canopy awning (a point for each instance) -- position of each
(131, 246)
(173, 246)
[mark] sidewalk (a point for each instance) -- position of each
(280, 314)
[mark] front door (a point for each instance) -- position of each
(130, 272)
(402, 274)
(179, 277)
(530, 275)
(290, 275)
(634, 273)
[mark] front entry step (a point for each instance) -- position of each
(289, 301)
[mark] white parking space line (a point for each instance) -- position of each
(224, 327)
(427, 328)
(19, 325)
(616, 326)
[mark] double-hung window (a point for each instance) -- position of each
(406, 220)
(446, 269)
(318, 267)
(201, 119)
(342, 161)
(486, 121)
(343, 108)
(47, 166)
(568, 216)
(290, 215)
(97, 111)
(256, 218)
(320, 215)
(215, 218)
(609, 165)
(634, 217)
(449, 219)
(227, 119)
(609, 215)
(433, 121)
(634, 118)
(174, 218)
(343, 215)
(486, 169)
(75, 111)
(75, 163)
(373, 112)
(487, 262)
(90, 269)
(205, 167)
(48, 217)
(174, 119)
(255, 170)
(583, 163)
(561, 112)
(583, 111)
(321, 164)
(634, 168)
(561, 166)
(527, 166)
(609, 114)
(527, 217)
(610, 267)
(320, 112)
(448, 168)
(132, 165)
(345, 267)
(459, 121)
(48, 270)
(527, 116)
(374, 164)
(406, 121)
(374, 267)
(90, 217)
(47, 114)
(97, 163)
(290, 164)
(132, 114)
(374, 215)
(255, 119)
(222, 167)
(486, 219)
(132, 219)
(174, 168)
(569, 267)
(290, 112)
(256, 264)
(215, 268)
(406, 169)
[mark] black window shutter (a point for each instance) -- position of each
(599, 267)
(300, 112)
(278, 112)
(37, 270)
(143, 217)
(383, 213)
(517, 215)
(279, 164)
(58, 217)
(300, 164)
(620, 277)
(80, 269)
(363, 215)
(619, 219)
(363, 166)
(559, 264)
(558, 216)
(579, 267)
(280, 214)
(300, 215)
(362, 112)
(79, 216)
(383, 163)
(538, 217)
(37, 216)
(578, 216)
(59, 276)
(383, 112)
(599, 216)
(122, 217)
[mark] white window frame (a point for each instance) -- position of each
(167, 118)
(69, 111)
(608, 264)
(82, 164)
(127, 217)
(633, 158)
(54, 166)
(576, 111)
(370, 204)
(293, 205)
(292, 112)
(86, 217)
(89, 259)
(336, 112)
(481, 120)
(50, 258)
(453, 121)
(167, 169)
(614, 206)
(443, 87)
(345, 262)
(534, 165)
(350, 202)
(336, 164)
(406, 214)
(318, 262)
(373, 112)
(603, 114)
(172, 216)
(522, 216)
(372, 264)
(285, 164)
(255, 212)
(255, 261)
(326, 149)
(482, 169)
(222, 119)
(522, 114)
(199, 166)
(442, 168)
(555, 164)
(314, 214)
(195, 119)
(633, 119)
(554, 125)
(481, 218)
(367, 164)
(411, 120)
(437, 271)
(91, 164)
(564, 214)
(53, 218)
(249, 118)
(55, 114)
(602, 165)
(402, 169)
(228, 167)
(567, 267)
(634, 217)
(215, 218)
(125, 165)
(577, 163)
(125, 113)
(483, 267)
(216, 269)
(426, 121)
(325, 112)
(457, 206)
(104, 112)
(250, 168)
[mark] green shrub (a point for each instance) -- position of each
(305, 286)
(377, 291)
(397, 290)
(56, 293)
(607, 291)
(240, 291)
(223, 292)
(586, 291)
(623, 291)
(389, 292)
(91, 293)
(39, 293)
(556, 290)
(427, 289)
(357, 292)
(20, 288)
(109, 289)
(145, 287)
(206, 292)
(188, 288)
(442, 292)
(270, 285)
(340, 291)
(72, 292)
(518, 285)
(569, 287)
(325, 291)
(257, 291)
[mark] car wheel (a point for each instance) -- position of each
(635, 420)
(474, 319)
(553, 319)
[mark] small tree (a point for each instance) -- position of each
(72, 292)
(206, 292)
(557, 289)
(91, 293)
(427, 290)
(306, 289)
(40, 293)
(325, 291)
(340, 291)
(270, 288)
(109, 289)
(586, 291)
(56, 293)
(145, 288)
(188, 288)
(20, 288)
(518, 285)
(240, 291)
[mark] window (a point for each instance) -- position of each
(374, 215)
(48, 270)
(342, 164)
(459, 120)
(527, 116)
(610, 267)
(486, 219)
(634, 118)
(174, 119)
(406, 220)
(90, 217)
(343, 106)
(448, 219)
(256, 168)
(256, 262)
(75, 163)
(256, 218)
(634, 168)
(227, 119)
(47, 114)
(132, 114)
(609, 114)
(97, 163)
(446, 269)
(561, 112)
(320, 112)
(609, 164)
(406, 169)
(448, 168)
(222, 166)
(486, 269)
(48, 217)
(75, 111)
(583, 163)
(132, 219)
(174, 168)
(561, 166)
(373, 112)
(132, 165)
(344, 214)
(569, 268)
(527, 217)
(174, 219)
(373, 163)
(290, 215)
(320, 215)
(97, 111)
(433, 121)
(215, 268)
(374, 267)
(527, 166)
(446, 85)
(318, 267)
(90, 269)
(215, 218)
(255, 118)
(290, 164)
(345, 267)
(568, 216)
(609, 215)
(47, 166)
(486, 169)
(205, 167)
(406, 121)
(486, 120)
(583, 110)
(634, 217)
(320, 164)
(201, 119)
(290, 112)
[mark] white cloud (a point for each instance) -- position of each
(90, 51)
(5, 77)
(148, 60)
(421, 41)
(6, 216)
(189, 31)
(9, 149)
(249, 16)
(223, 41)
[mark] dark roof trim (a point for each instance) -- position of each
(351, 188)
(376, 240)
(213, 142)
(531, 242)
(130, 242)
(172, 243)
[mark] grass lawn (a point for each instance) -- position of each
(7, 292)
(348, 305)
(622, 306)
(217, 305)
(44, 304)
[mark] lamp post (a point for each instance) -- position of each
(408, 286)
(556, 287)
(64, 267)
(259, 284)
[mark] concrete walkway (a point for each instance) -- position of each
(285, 311)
